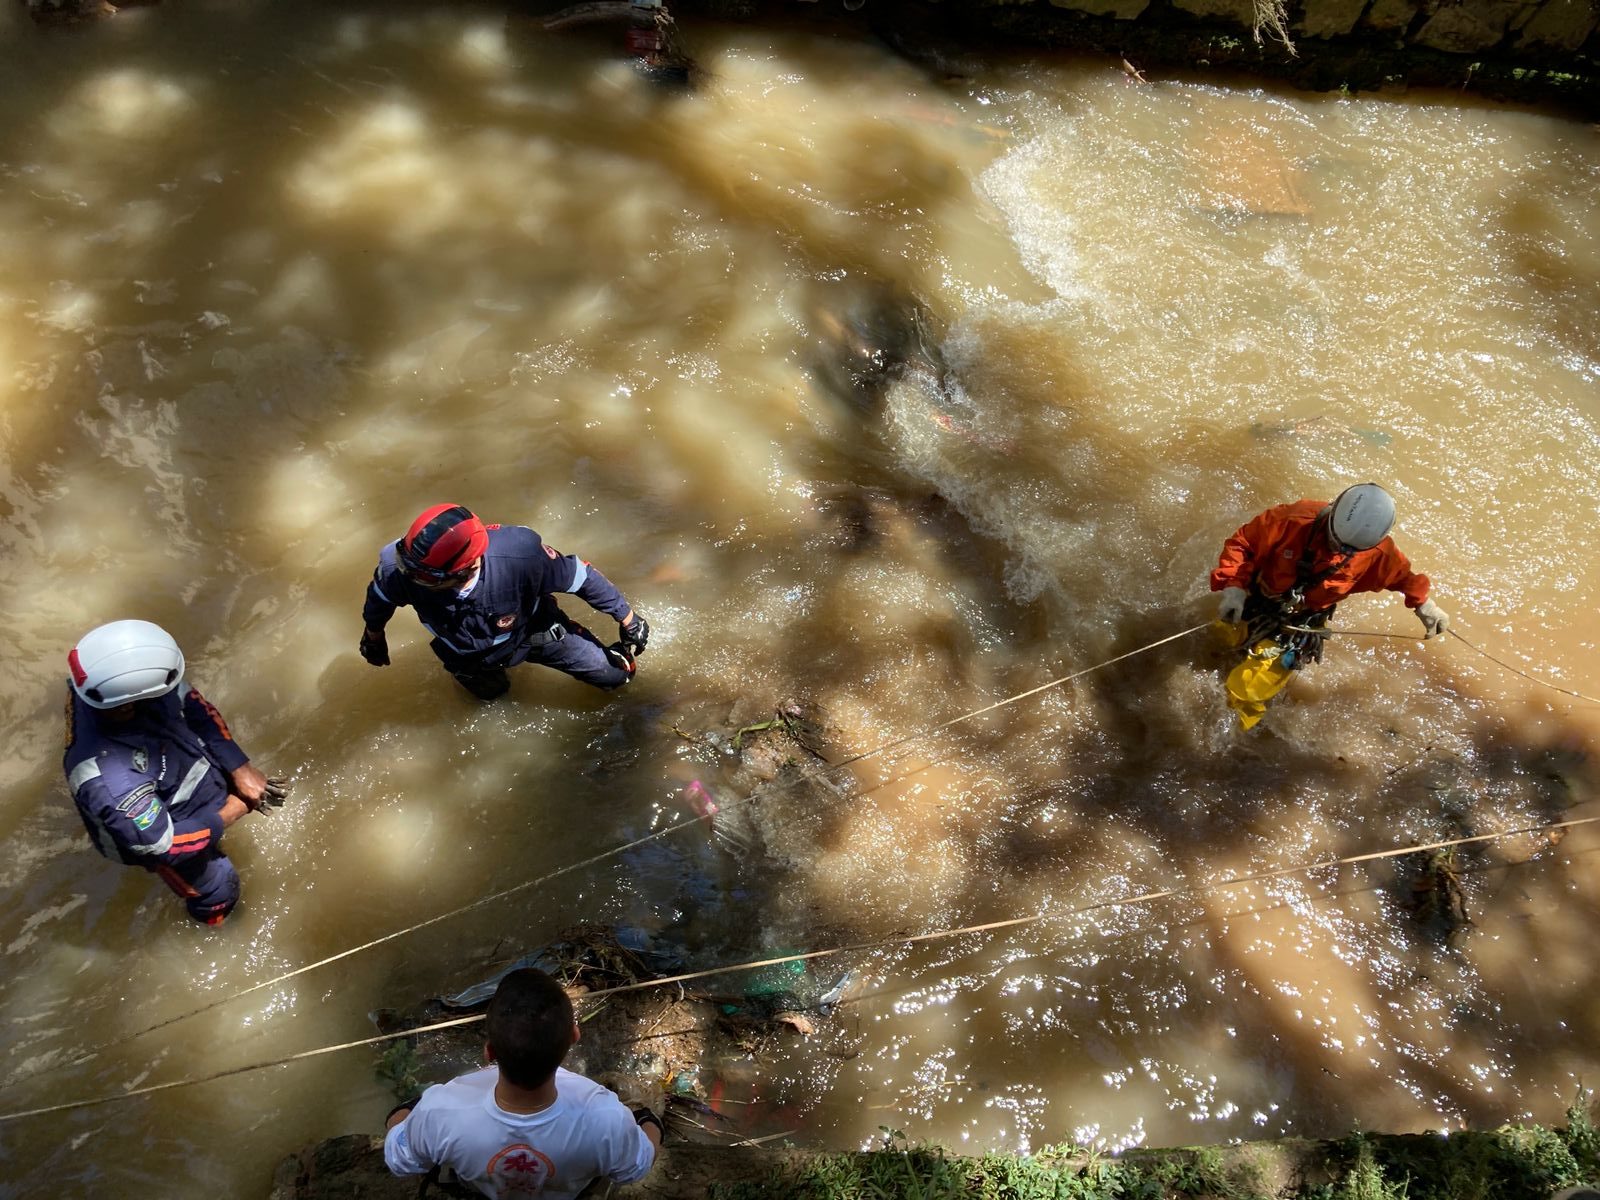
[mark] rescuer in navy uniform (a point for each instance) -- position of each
(487, 594)
(154, 769)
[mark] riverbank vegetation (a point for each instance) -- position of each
(1514, 1162)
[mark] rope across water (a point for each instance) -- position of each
(590, 861)
(1411, 637)
(669, 829)
(811, 955)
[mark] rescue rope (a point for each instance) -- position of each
(812, 955)
(1411, 637)
(592, 860)
(1515, 671)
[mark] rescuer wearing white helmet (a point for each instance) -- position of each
(1293, 563)
(153, 768)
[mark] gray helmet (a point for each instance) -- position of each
(1361, 516)
(124, 661)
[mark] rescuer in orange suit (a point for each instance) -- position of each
(1293, 563)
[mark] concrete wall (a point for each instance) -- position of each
(1543, 30)
(1542, 51)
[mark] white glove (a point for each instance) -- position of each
(1434, 619)
(1232, 607)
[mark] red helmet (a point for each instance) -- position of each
(444, 542)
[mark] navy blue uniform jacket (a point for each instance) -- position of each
(150, 789)
(512, 600)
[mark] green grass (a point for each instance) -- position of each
(1515, 1162)
(903, 1171)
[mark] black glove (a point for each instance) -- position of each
(621, 656)
(635, 635)
(375, 647)
(642, 1116)
(272, 796)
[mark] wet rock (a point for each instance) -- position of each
(1561, 25)
(1121, 10)
(650, 35)
(671, 1047)
(1503, 49)
(341, 1168)
(1238, 12)
(869, 334)
(1331, 18)
(51, 12)
(1390, 16)
(1468, 27)
(914, 31)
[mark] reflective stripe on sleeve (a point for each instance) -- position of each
(190, 782)
(161, 845)
(581, 575)
(88, 769)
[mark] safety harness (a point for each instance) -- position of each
(1268, 616)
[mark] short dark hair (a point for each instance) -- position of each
(529, 1026)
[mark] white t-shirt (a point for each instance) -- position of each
(587, 1133)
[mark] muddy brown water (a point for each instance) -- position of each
(884, 393)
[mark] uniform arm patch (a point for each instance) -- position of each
(143, 820)
(133, 798)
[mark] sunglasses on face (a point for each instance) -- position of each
(432, 577)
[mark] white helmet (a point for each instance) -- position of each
(123, 662)
(1361, 516)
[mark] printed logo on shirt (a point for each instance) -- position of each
(148, 817)
(506, 622)
(139, 793)
(520, 1170)
(141, 761)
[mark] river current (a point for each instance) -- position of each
(881, 392)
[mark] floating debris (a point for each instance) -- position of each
(1438, 900)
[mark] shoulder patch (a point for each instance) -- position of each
(141, 760)
(147, 818)
(127, 803)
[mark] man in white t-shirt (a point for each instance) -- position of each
(523, 1126)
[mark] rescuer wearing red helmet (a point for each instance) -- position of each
(1293, 563)
(487, 594)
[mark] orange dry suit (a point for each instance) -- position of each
(1294, 576)
(1286, 548)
